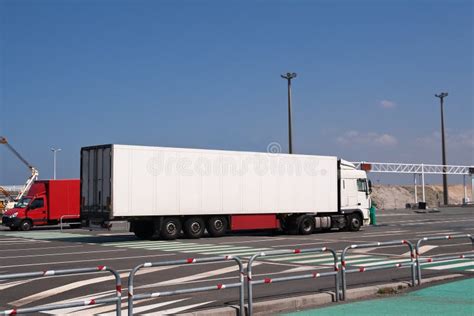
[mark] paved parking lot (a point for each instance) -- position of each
(49, 248)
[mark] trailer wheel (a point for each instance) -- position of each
(217, 226)
(194, 227)
(26, 225)
(305, 224)
(170, 228)
(354, 222)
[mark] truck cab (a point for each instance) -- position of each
(355, 190)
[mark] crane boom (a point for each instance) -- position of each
(4, 141)
(34, 172)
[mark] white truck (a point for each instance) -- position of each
(165, 191)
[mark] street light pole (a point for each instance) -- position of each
(288, 77)
(54, 150)
(441, 97)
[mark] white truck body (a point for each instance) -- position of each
(129, 182)
(150, 181)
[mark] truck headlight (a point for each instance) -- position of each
(14, 215)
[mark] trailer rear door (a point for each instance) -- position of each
(96, 191)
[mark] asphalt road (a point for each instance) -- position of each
(49, 249)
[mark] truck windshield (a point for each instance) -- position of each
(23, 203)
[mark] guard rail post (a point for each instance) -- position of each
(220, 286)
(418, 254)
(117, 299)
(251, 282)
(377, 267)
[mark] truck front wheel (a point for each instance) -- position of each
(217, 226)
(305, 224)
(354, 222)
(194, 227)
(170, 228)
(26, 225)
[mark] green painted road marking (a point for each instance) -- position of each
(455, 298)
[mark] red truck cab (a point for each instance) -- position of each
(48, 202)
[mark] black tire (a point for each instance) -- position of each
(75, 225)
(194, 227)
(217, 226)
(170, 228)
(305, 224)
(26, 225)
(143, 230)
(354, 222)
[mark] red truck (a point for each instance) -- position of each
(48, 202)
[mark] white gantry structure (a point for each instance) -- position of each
(419, 170)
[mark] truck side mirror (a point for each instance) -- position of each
(370, 186)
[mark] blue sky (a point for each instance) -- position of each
(207, 74)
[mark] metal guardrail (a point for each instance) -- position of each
(251, 282)
(412, 262)
(66, 216)
(117, 299)
(220, 286)
(437, 259)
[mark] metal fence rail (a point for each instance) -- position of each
(220, 286)
(377, 267)
(117, 299)
(436, 259)
(251, 282)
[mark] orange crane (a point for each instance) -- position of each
(31, 179)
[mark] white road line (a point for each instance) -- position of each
(141, 309)
(298, 269)
(176, 310)
(72, 286)
(69, 310)
(87, 260)
(440, 222)
(40, 248)
(423, 249)
(109, 309)
(5, 286)
(255, 240)
(300, 256)
(194, 248)
(23, 242)
(383, 262)
(396, 214)
(63, 253)
(438, 233)
(451, 266)
(380, 235)
(388, 232)
(322, 260)
(206, 274)
(235, 251)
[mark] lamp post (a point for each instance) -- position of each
(441, 97)
(54, 150)
(288, 77)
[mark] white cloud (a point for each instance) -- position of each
(367, 138)
(386, 104)
(459, 139)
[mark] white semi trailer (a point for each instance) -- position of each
(165, 191)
